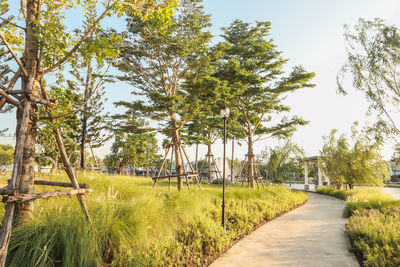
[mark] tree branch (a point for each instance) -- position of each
(15, 25)
(10, 86)
(14, 55)
(84, 37)
(10, 100)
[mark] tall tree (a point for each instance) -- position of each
(134, 144)
(93, 121)
(255, 85)
(40, 44)
(157, 59)
(373, 63)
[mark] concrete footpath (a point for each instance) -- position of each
(312, 235)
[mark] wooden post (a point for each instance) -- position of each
(184, 169)
(14, 184)
(70, 172)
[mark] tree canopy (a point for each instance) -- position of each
(255, 85)
(356, 164)
(373, 64)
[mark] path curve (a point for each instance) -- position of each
(312, 235)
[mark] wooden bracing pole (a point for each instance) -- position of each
(170, 170)
(191, 167)
(70, 173)
(14, 184)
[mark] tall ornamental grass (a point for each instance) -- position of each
(374, 225)
(361, 198)
(139, 226)
(375, 235)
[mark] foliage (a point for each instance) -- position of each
(133, 145)
(357, 199)
(141, 227)
(282, 162)
(375, 235)
(157, 59)
(360, 164)
(254, 83)
(373, 225)
(68, 100)
(6, 154)
(373, 63)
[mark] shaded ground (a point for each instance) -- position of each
(312, 235)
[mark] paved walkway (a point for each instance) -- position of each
(312, 235)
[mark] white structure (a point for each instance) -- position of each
(314, 159)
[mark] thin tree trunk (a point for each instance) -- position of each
(177, 145)
(250, 157)
(232, 161)
(209, 162)
(197, 157)
(84, 116)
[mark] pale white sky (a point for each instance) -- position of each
(310, 33)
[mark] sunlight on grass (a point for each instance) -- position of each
(140, 226)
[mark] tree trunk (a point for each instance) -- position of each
(250, 157)
(30, 85)
(197, 156)
(84, 116)
(209, 162)
(232, 161)
(177, 145)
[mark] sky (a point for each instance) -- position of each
(309, 33)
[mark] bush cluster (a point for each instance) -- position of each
(376, 235)
(138, 226)
(373, 225)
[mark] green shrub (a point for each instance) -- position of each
(375, 235)
(360, 198)
(138, 226)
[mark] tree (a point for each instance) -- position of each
(133, 146)
(6, 154)
(359, 164)
(39, 48)
(157, 59)
(373, 63)
(282, 162)
(92, 120)
(255, 85)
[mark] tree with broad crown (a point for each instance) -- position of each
(157, 59)
(254, 84)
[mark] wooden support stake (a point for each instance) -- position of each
(14, 184)
(7, 191)
(62, 184)
(45, 195)
(184, 169)
(71, 174)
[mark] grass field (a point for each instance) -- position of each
(139, 226)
